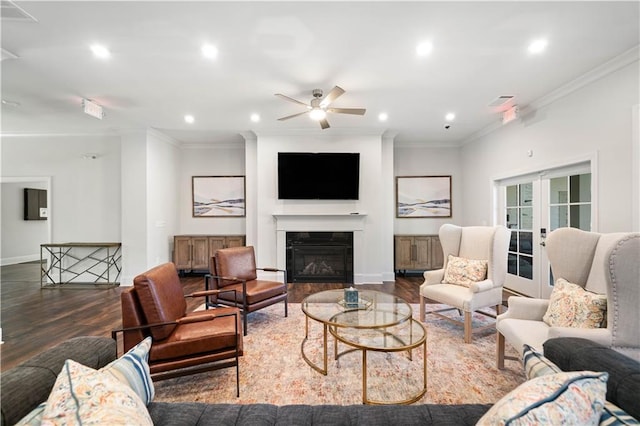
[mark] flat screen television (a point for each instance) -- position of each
(318, 175)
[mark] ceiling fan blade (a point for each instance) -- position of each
(292, 115)
(332, 96)
(287, 98)
(324, 123)
(355, 111)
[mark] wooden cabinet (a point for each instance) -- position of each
(192, 252)
(418, 252)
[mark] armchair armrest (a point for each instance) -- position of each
(272, 269)
(480, 286)
(433, 277)
(208, 293)
(184, 320)
(598, 335)
(525, 308)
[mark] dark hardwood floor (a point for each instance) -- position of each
(34, 319)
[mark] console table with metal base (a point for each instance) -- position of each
(80, 264)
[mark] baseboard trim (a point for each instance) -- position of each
(19, 259)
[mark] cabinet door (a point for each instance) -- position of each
(200, 253)
(235, 241)
(215, 244)
(182, 252)
(422, 253)
(404, 252)
(437, 256)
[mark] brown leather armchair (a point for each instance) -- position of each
(183, 343)
(235, 269)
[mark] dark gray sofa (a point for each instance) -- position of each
(29, 384)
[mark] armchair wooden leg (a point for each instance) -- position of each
(500, 351)
(467, 327)
(286, 308)
(422, 314)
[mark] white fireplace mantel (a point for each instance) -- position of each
(319, 222)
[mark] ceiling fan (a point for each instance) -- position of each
(319, 106)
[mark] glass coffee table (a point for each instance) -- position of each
(378, 322)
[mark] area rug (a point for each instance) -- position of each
(272, 369)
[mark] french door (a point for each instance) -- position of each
(531, 206)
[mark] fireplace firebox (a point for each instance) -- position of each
(319, 257)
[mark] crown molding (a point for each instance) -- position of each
(626, 58)
(630, 56)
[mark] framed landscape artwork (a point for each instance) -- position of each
(218, 196)
(423, 196)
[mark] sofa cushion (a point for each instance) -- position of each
(165, 413)
(28, 384)
(84, 396)
(562, 398)
(574, 354)
(572, 306)
(464, 272)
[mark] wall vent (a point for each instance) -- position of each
(501, 101)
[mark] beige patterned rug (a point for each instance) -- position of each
(273, 371)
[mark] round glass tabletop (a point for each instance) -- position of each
(374, 309)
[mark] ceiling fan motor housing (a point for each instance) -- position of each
(317, 93)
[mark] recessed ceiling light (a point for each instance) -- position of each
(255, 117)
(209, 51)
(189, 118)
(383, 116)
(100, 51)
(450, 116)
(424, 48)
(538, 46)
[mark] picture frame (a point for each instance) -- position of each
(218, 196)
(423, 196)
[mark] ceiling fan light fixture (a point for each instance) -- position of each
(317, 114)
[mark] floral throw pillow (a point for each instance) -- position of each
(573, 398)
(84, 396)
(572, 306)
(463, 271)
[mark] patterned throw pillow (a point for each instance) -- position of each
(132, 369)
(84, 396)
(573, 398)
(572, 306)
(536, 365)
(464, 272)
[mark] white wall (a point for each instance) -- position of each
(218, 160)
(374, 195)
(84, 194)
(21, 238)
(163, 196)
(425, 161)
(594, 119)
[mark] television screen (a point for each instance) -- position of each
(318, 176)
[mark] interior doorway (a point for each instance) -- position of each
(21, 239)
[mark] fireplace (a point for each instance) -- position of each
(319, 257)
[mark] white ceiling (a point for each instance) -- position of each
(156, 73)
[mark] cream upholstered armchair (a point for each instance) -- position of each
(463, 292)
(602, 264)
